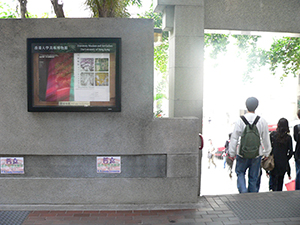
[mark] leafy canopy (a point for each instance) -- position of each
(284, 53)
(111, 8)
(246, 45)
(6, 11)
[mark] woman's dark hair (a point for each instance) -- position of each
(282, 130)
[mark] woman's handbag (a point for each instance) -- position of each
(209, 155)
(268, 164)
(290, 186)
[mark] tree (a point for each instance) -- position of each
(247, 44)
(218, 42)
(285, 54)
(110, 8)
(100, 8)
(23, 7)
(58, 8)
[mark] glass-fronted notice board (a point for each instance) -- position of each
(73, 74)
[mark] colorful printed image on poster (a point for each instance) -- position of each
(109, 164)
(86, 80)
(101, 79)
(87, 64)
(59, 72)
(102, 64)
(12, 165)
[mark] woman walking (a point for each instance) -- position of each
(282, 149)
(211, 154)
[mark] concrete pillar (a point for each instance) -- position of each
(185, 22)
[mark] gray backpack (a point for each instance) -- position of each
(250, 140)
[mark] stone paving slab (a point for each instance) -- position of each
(13, 217)
(266, 208)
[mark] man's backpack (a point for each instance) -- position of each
(250, 140)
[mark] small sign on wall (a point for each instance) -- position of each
(12, 165)
(109, 164)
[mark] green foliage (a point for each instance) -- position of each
(133, 2)
(6, 11)
(247, 44)
(161, 55)
(44, 15)
(107, 8)
(285, 54)
(157, 17)
(161, 58)
(254, 62)
(157, 20)
(218, 42)
(111, 8)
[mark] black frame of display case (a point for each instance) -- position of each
(52, 46)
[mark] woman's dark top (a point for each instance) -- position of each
(282, 151)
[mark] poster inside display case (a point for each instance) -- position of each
(73, 74)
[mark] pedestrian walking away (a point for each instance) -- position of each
(297, 152)
(226, 149)
(211, 154)
(282, 149)
(249, 157)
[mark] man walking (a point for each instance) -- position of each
(297, 152)
(252, 164)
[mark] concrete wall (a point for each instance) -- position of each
(242, 15)
(160, 157)
(185, 22)
(255, 15)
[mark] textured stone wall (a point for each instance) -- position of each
(255, 15)
(159, 156)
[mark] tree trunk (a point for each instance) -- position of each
(23, 7)
(58, 8)
(102, 10)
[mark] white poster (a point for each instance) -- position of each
(12, 165)
(91, 77)
(109, 164)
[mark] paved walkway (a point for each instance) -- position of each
(269, 208)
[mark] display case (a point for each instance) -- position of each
(74, 74)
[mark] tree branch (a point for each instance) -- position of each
(58, 8)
